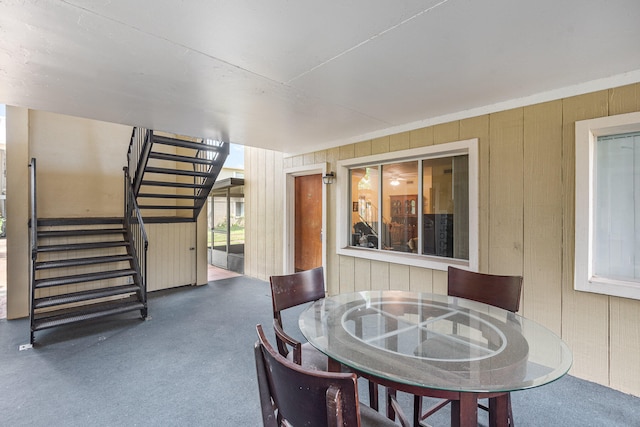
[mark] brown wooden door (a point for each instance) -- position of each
(308, 222)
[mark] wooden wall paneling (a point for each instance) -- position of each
(624, 328)
(625, 345)
(506, 192)
(399, 277)
(362, 149)
(585, 316)
(400, 141)
(542, 293)
(361, 274)
(202, 262)
(332, 267)
(286, 163)
(625, 99)
(278, 196)
(273, 225)
(250, 229)
(262, 217)
(440, 282)
(379, 275)
(446, 132)
(297, 160)
(347, 151)
(420, 279)
(309, 159)
(380, 145)
(421, 137)
(478, 127)
(347, 277)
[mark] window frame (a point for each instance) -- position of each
(587, 133)
(343, 206)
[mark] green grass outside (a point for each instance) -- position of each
(237, 237)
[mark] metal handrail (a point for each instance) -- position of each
(33, 242)
(137, 233)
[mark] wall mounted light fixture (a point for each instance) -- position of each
(328, 178)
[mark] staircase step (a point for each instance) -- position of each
(168, 196)
(95, 311)
(171, 184)
(76, 262)
(178, 158)
(79, 221)
(165, 207)
(81, 246)
(77, 233)
(82, 278)
(88, 295)
(180, 172)
(157, 139)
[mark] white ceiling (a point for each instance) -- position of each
(300, 75)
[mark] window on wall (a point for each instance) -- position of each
(607, 239)
(416, 207)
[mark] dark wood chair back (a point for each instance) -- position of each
(300, 396)
(291, 290)
(499, 291)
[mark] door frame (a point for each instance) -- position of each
(290, 209)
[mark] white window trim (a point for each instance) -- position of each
(469, 146)
(587, 133)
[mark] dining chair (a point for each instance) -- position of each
(289, 291)
(499, 291)
(293, 395)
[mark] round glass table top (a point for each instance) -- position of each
(435, 341)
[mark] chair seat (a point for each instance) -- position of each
(371, 417)
(312, 358)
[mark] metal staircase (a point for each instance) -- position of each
(74, 282)
(172, 175)
(87, 268)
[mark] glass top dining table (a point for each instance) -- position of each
(435, 342)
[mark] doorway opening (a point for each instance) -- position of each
(226, 225)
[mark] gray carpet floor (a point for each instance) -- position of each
(192, 365)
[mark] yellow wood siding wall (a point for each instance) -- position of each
(264, 226)
(526, 225)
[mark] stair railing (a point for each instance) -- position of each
(137, 235)
(138, 154)
(33, 242)
(213, 175)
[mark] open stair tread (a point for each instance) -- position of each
(79, 221)
(94, 311)
(178, 158)
(199, 146)
(177, 207)
(169, 196)
(181, 172)
(81, 278)
(171, 184)
(81, 246)
(75, 262)
(76, 233)
(74, 297)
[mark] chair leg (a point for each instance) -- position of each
(373, 395)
